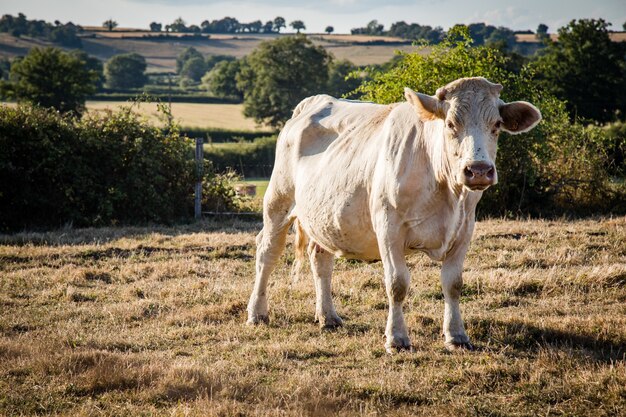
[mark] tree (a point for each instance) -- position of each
(109, 24)
(586, 69)
(279, 22)
(178, 25)
(298, 25)
(340, 82)
(415, 31)
(213, 60)
(542, 32)
(268, 27)
(186, 55)
(92, 64)
(624, 26)
(5, 68)
(49, 77)
(125, 71)
(66, 35)
(255, 26)
(501, 38)
(279, 74)
(155, 27)
(193, 69)
(329, 29)
(222, 79)
(374, 28)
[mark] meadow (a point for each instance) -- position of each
(151, 321)
(190, 115)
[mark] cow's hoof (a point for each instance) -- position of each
(459, 346)
(258, 319)
(398, 344)
(329, 323)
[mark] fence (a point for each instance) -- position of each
(245, 170)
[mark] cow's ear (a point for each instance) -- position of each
(428, 107)
(519, 116)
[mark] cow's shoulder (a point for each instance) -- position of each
(313, 104)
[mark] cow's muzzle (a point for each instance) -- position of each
(479, 175)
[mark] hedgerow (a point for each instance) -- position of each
(103, 169)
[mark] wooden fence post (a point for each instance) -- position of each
(199, 174)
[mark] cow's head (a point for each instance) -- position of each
(473, 116)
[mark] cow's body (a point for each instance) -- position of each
(371, 181)
(342, 155)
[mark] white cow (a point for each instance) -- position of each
(370, 181)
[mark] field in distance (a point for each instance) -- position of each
(191, 115)
(161, 54)
(151, 321)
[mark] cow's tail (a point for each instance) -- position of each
(300, 244)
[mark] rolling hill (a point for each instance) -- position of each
(161, 50)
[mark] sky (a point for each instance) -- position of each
(341, 14)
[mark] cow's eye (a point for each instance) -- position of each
(496, 127)
(450, 125)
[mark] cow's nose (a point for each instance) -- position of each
(479, 174)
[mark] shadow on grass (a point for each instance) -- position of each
(208, 253)
(526, 337)
(102, 235)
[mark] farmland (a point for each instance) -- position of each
(190, 115)
(150, 321)
(161, 54)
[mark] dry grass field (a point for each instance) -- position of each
(151, 321)
(190, 115)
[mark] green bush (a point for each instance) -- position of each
(248, 159)
(614, 142)
(557, 168)
(104, 169)
(219, 195)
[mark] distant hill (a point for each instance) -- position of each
(161, 49)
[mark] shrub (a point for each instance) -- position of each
(614, 143)
(104, 169)
(218, 192)
(557, 168)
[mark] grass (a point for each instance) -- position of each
(191, 115)
(150, 321)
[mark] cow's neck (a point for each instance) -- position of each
(440, 160)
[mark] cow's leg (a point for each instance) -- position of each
(322, 268)
(397, 279)
(270, 245)
(451, 284)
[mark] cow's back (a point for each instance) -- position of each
(320, 120)
(327, 153)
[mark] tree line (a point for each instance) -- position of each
(481, 33)
(65, 34)
(228, 25)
